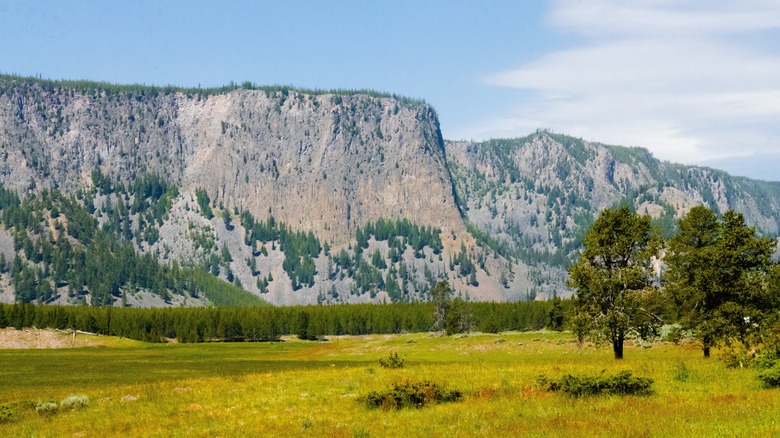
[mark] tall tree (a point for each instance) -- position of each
(691, 280)
(613, 277)
(717, 277)
(441, 296)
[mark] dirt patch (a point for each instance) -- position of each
(45, 338)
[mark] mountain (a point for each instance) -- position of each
(303, 196)
(532, 198)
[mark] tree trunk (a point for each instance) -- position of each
(617, 345)
(706, 351)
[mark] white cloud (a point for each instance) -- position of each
(662, 17)
(690, 80)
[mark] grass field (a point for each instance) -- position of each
(299, 388)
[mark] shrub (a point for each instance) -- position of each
(770, 377)
(46, 407)
(9, 411)
(768, 357)
(392, 361)
(738, 356)
(411, 395)
(74, 401)
(683, 373)
(622, 383)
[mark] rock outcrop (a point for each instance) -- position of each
(321, 162)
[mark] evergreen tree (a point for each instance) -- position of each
(204, 203)
(717, 278)
(377, 260)
(227, 219)
(458, 319)
(555, 317)
(612, 277)
(441, 297)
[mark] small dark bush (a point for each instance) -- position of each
(770, 377)
(9, 411)
(411, 395)
(392, 361)
(683, 373)
(622, 383)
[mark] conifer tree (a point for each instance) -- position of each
(717, 278)
(612, 277)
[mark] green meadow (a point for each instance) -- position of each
(309, 388)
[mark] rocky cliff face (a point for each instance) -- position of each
(320, 162)
(500, 219)
(542, 191)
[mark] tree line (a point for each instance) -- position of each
(267, 323)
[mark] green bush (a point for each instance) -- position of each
(9, 411)
(683, 373)
(622, 383)
(738, 356)
(392, 361)
(768, 357)
(411, 395)
(770, 377)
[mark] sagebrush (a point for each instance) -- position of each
(622, 383)
(409, 394)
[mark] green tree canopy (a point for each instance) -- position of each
(717, 277)
(613, 278)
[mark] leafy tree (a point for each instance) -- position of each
(717, 278)
(613, 276)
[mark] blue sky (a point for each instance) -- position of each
(693, 81)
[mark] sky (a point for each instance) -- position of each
(695, 82)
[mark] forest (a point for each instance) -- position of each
(267, 323)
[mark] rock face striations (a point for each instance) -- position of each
(302, 197)
(320, 162)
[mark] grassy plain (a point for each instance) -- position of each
(300, 388)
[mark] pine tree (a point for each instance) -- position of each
(717, 276)
(612, 277)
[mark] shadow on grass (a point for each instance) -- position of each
(97, 367)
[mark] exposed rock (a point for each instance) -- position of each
(330, 163)
(320, 162)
